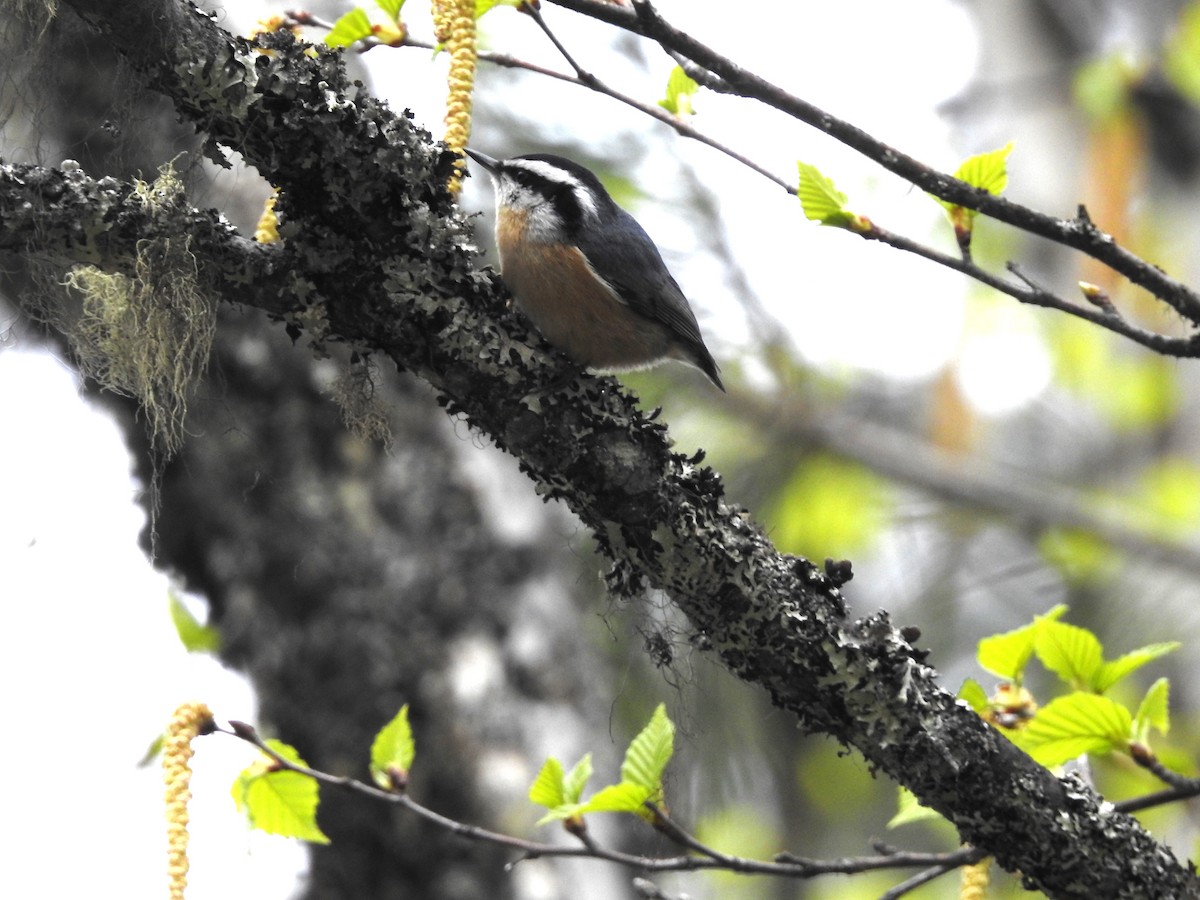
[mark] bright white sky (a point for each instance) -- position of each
(91, 668)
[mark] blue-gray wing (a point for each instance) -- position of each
(630, 263)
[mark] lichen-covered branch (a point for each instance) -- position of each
(371, 234)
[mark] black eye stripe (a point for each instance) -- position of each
(536, 181)
(560, 194)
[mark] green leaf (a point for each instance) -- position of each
(1152, 712)
(623, 797)
(988, 171)
(486, 6)
(641, 776)
(196, 638)
(1072, 653)
(392, 752)
(284, 803)
(909, 809)
(1112, 672)
(681, 87)
(391, 8)
(649, 752)
(559, 794)
(350, 28)
(547, 789)
(972, 693)
(823, 202)
(1070, 726)
(558, 813)
(1006, 655)
(152, 752)
(265, 764)
(577, 779)
(279, 801)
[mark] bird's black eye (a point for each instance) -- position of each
(559, 195)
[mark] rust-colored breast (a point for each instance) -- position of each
(574, 310)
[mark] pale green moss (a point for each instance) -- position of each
(149, 334)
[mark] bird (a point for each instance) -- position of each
(585, 272)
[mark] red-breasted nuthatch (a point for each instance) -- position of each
(585, 273)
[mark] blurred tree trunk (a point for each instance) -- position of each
(344, 580)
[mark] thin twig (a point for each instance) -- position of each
(784, 864)
(893, 859)
(1078, 233)
(700, 75)
(911, 884)
(656, 112)
(793, 867)
(1036, 295)
(1159, 798)
(1033, 295)
(1146, 758)
(679, 834)
(585, 77)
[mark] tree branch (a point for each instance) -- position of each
(1030, 293)
(373, 235)
(1036, 295)
(87, 221)
(1078, 233)
(785, 865)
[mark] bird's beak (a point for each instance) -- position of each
(484, 160)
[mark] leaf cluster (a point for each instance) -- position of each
(641, 778)
(1079, 722)
(1084, 719)
(282, 801)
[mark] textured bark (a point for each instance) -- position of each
(373, 241)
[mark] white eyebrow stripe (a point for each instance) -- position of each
(553, 173)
